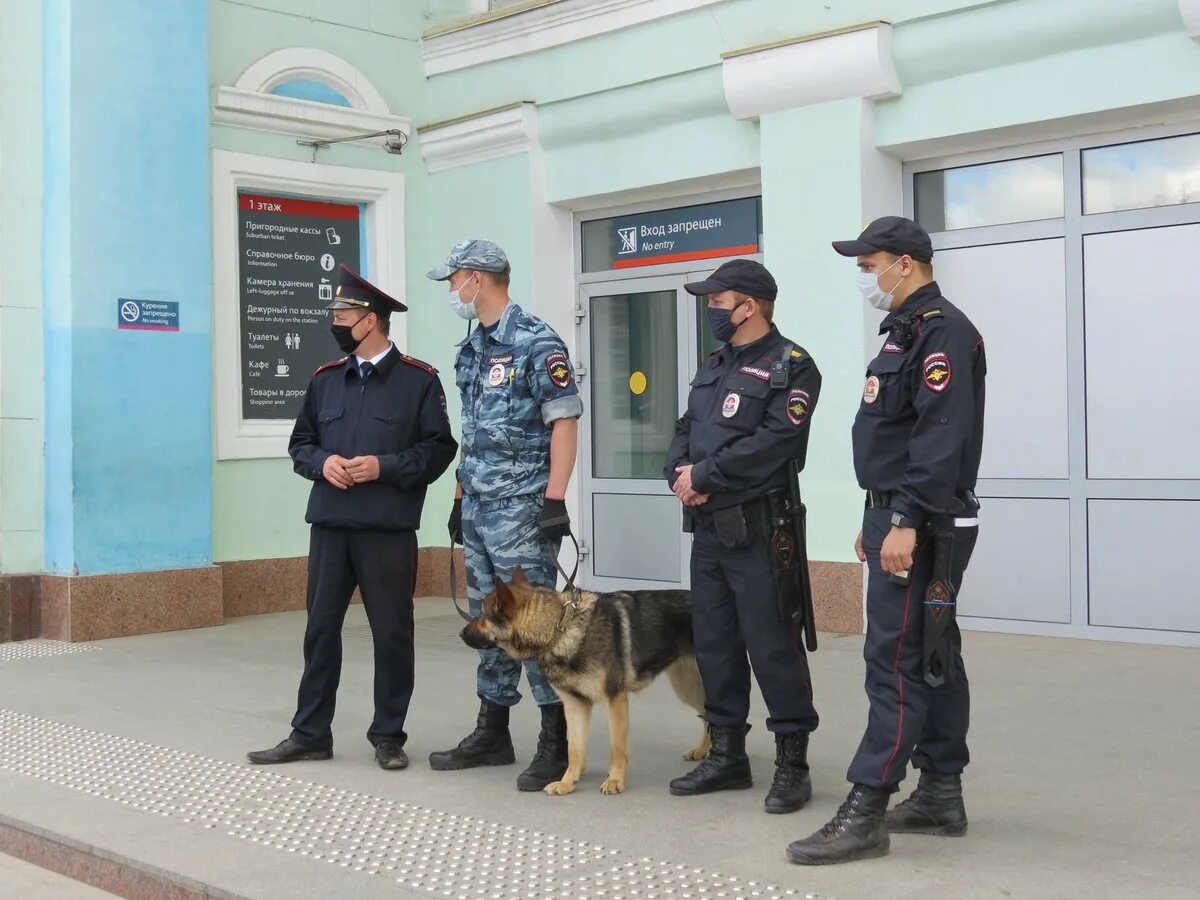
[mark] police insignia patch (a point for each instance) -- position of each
(730, 407)
(496, 375)
(936, 370)
(560, 372)
(797, 407)
(871, 390)
(891, 346)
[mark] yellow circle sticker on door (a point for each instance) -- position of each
(638, 383)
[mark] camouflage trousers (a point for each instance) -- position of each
(498, 536)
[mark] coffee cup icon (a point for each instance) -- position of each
(282, 369)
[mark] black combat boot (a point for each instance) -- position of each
(935, 807)
(792, 787)
(550, 760)
(488, 745)
(856, 832)
(726, 768)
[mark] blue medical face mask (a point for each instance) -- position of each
(464, 309)
(721, 322)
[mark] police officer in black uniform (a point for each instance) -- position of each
(372, 435)
(747, 417)
(918, 438)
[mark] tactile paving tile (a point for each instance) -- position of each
(39, 647)
(421, 849)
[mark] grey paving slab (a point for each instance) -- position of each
(1082, 782)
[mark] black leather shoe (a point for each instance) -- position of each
(791, 787)
(726, 768)
(856, 832)
(935, 807)
(550, 760)
(287, 751)
(390, 755)
(488, 745)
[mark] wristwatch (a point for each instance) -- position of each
(899, 520)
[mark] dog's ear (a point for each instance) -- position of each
(518, 578)
(506, 600)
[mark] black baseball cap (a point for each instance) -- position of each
(891, 234)
(742, 275)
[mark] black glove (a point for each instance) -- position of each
(553, 521)
(455, 523)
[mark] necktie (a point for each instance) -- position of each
(364, 370)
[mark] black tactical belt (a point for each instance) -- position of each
(880, 499)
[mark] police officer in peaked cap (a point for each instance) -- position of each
(918, 437)
(372, 435)
(747, 419)
(520, 411)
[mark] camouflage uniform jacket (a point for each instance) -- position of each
(514, 384)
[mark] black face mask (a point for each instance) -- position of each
(344, 335)
(721, 323)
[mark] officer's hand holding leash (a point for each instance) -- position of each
(553, 522)
(454, 525)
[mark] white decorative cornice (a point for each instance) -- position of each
(250, 103)
(836, 65)
(303, 118)
(529, 28)
(494, 133)
(1190, 10)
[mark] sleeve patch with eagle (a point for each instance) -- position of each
(797, 407)
(560, 372)
(936, 372)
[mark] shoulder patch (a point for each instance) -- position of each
(936, 372)
(420, 364)
(558, 369)
(331, 365)
(797, 407)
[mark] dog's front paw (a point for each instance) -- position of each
(696, 753)
(560, 788)
(613, 786)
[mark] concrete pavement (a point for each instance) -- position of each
(1082, 783)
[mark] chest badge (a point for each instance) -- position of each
(496, 375)
(871, 391)
(730, 407)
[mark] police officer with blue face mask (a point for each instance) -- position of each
(918, 438)
(520, 409)
(747, 419)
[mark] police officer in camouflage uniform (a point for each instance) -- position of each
(918, 439)
(520, 412)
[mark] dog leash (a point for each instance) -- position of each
(570, 586)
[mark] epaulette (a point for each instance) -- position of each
(330, 365)
(931, 314)
(420, 364)
(796, 354)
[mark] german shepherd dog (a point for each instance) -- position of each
(595, 648)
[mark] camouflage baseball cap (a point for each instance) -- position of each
(482, 256)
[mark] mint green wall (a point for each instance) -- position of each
(645, 106)
(21, 415)
(258, 505)
(819, 305)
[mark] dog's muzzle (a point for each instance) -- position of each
(472, 638)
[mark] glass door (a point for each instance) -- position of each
(635, 333)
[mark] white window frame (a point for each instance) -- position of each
(383, 195)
